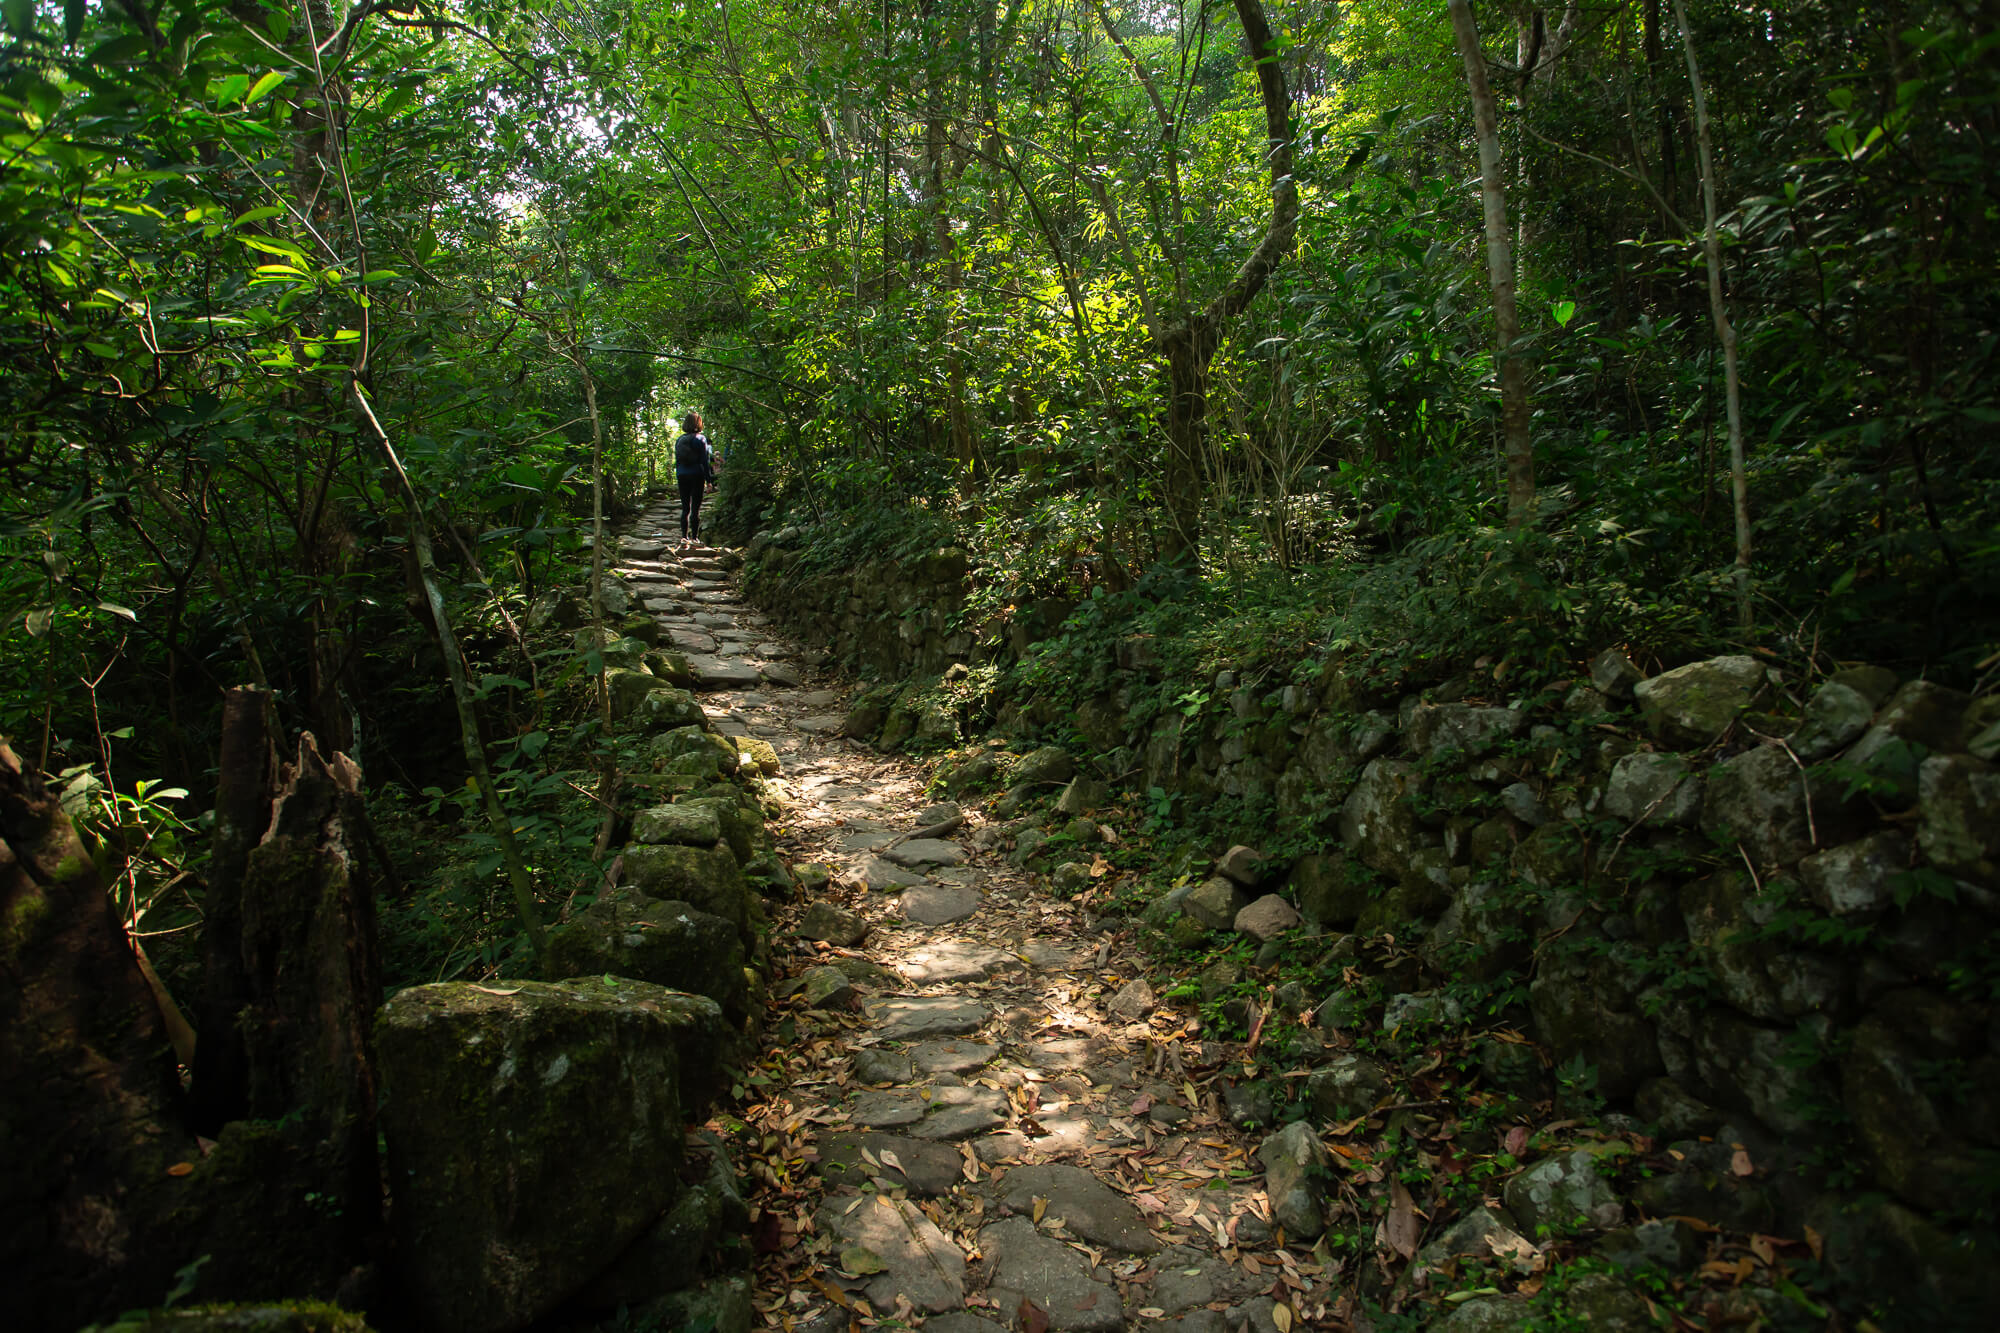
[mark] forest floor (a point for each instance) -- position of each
(963, 1115)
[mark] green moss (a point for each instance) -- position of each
(24, 919)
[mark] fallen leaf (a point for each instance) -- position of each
(1401, 1229)
(860, 1261)
(181, 1169)
(1740, 1163)
(1517, 1140)
(494, 990)
(1030, 1317)
(889, 1159)
(1041, 1206)
(1764, 1249)
(1814, 1242)
(1281, 1315)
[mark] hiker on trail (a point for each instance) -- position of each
(694, 473)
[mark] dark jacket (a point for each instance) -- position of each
(693, 457)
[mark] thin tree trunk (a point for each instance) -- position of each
(1725, 332)
(1517, 448)
(502, 827)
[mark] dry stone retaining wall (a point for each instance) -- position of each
(1738, 903)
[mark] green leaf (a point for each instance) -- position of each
(262, 88)
(258, 215)
(1564, 312)
(118, 610)
(20, 15)
(74, 13)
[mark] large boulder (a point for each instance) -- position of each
(1899, 1125)
(1693, 705)
(1328, 889)
(534, 1130)
(1044, 767)
(1216, 903)
(1960, 832)
(1726, 915)
(1574, 1016)
(1762, 799)
(664, 942)
(1656, 789)
(1834, 718)
(1377, 821)
(1465, 729)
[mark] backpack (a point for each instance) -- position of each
(692, 457)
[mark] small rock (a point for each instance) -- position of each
(1419, 1007)
(835, 925)
(1296, 1164)
(1960, 832)
(1563, 1193)
(942, 813)
(1612, 673)
(1134, 1000)
(1855, 879)
(1665, 1243)
(1654, 787)
(1070, 877)
(1215, 903)
(1519, 800)
(1250, 1106)
(1465, 728)
(1349, 1085)
(1834, 718)
(1267, 918)
(1046, 766)
(1604, 1304)
(827, 988)
(1480, 1234)
(1242, 865)
(812, 875)
(1083, 795)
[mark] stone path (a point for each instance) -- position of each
(950, 1125)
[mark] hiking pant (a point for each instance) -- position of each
(692, 484)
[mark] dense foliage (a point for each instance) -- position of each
(936, 258)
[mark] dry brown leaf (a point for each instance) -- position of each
(1401, 1230)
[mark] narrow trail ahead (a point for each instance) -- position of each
(966, 1115)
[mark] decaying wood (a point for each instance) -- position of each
(312, 972)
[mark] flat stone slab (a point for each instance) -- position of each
(928, 1169)
(907, 1018)
(1066, 1053)
(690, 640)
(1050, 958)
(715, 598)
(860, 838)
(1089, 1207)
(938, 904)
(882, 877)
(824, 725)
(710, 620)
(941, 1115)
(873, 1064)
(1026, 1265)
(780, 674)
(922, 853)
(953, 960)
(918, 1261)
(821, 699)
(951, 1057)
(722, 673)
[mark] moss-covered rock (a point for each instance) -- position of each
(669, 1256)
(660, 941)
(707, 878)
(1693, 705)
(666, 705)
(534, 1129)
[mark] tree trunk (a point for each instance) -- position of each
(220, 1091)
(313, 975)
(91, 1105)
(1189, 345)
(1725, 332)
(1517, 450)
